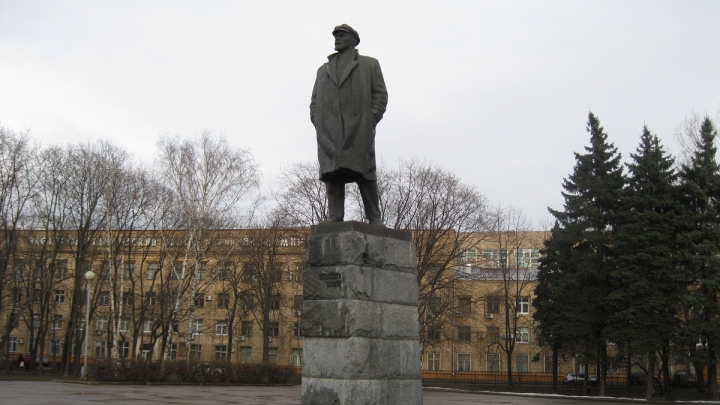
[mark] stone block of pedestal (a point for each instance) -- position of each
(360, 321)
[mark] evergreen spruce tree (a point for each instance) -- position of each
(700, 243)
(587, 223)
(646, 286)
(554, 298)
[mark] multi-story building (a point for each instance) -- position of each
(238, 295)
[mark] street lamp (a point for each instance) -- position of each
(89, 277)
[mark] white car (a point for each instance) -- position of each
(578, 378)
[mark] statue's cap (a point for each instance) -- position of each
(348, 29)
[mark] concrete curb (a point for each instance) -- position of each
(574, 397)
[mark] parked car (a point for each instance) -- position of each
(8, 360)
(45, 361)
(684, 378)
(638, 378)
(578, 378)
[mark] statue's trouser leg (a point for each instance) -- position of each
(336, 201)
(371, 201)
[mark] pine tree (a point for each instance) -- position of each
(700, 243)
(587, 224)
(646, 286)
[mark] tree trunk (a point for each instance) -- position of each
(665, 357)
(650, 385)
(712, 372)
(555, 359)
(699, 366)
(603, 367)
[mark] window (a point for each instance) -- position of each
(434, 361)
(150, 298)
(464, 333)
(521, 362)
(59, 296)
(225, 271)
(297, 302)
(522, 305)
(220, 352)
(249, 272)
(296, 330)
(55, 347)
(273, 329)
(245, 354)
(99, 348)
(247, 327)
(196, 326)
(148, 326)
(434, 305)
(494, 258)
(195, 352)
(434, 333)
(527, 258)
(103, 298)
(128, 271)
(145, 351)
(548, 363)
(493, 362)
(12, 344)
(468, 256)
(223, 300)
(124, 349)
(152, 270)
(273, 355)
(17, 296)
(275, 273)
(101, 323)
(275, 304)
(493, 335)
(176, 270)
(61, 269)
(124, 325)
(127, 298)
(464, 305)
(463, 361)
(248, 302)
(297, 357)
(104, 270)
(221, 328)
(201, 271)
(173, 351)
(199, 300)
(493, 305)
(522, 335)
(57, 321)
(36, 321)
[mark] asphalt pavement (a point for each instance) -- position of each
(70, 393)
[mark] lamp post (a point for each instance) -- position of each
(89, 277)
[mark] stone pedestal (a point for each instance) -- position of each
(360, 320)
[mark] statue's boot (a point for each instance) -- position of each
(371, 201)
(336, 201)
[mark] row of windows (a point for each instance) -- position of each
(500, 258)
(224, 271)
(492, 334)
(522, 305)
(200, 300)
(197, 326)
(492, 362)
(195, 352)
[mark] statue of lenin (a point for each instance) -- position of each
(348, 101)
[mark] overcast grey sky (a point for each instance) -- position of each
(495, 91)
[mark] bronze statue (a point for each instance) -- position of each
(348, 101)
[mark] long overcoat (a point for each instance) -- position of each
(345, 112)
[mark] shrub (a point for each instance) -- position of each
(141, 371)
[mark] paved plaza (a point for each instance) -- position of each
(66, 393)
